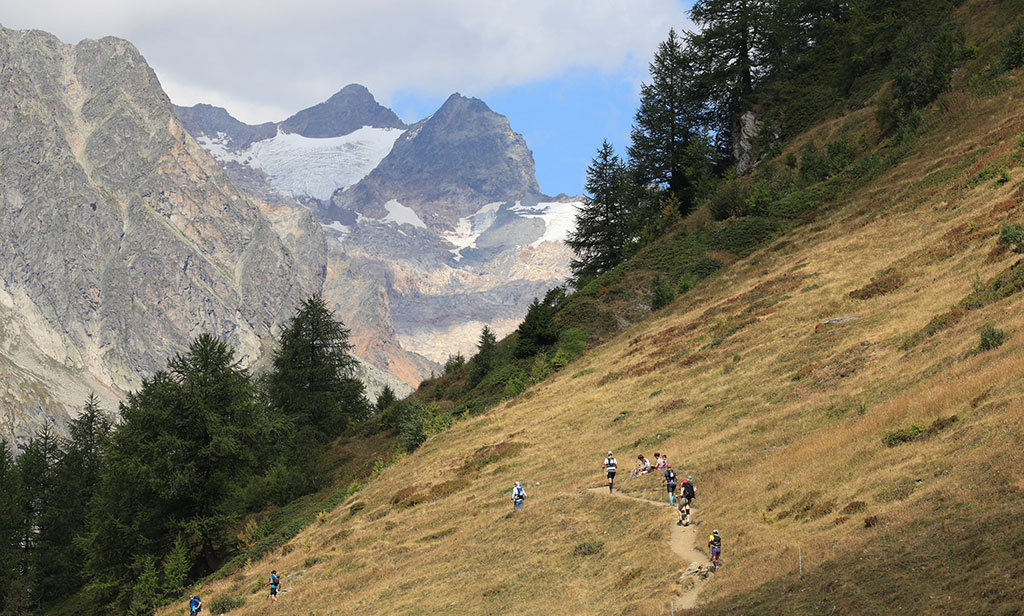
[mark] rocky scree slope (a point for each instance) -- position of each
(830, 405)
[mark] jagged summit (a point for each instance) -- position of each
(350, 109)
(203, 119)
(448, 165)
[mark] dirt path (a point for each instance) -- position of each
(681, 542)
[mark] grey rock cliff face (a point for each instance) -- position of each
(743, 135)
(448, 165)
(352, 108)
(203, 119)
(121, 238)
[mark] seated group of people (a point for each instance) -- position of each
(643, 466)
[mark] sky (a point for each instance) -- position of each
(566, 73)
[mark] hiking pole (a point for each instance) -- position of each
(673, 607)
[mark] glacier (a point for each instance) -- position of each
(311, 167)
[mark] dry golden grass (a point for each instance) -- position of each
(780, 423)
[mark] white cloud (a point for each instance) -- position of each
(260, 58)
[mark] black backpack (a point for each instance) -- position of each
(670, 475)
(688, 489)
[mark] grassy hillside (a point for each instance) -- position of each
(827, 392)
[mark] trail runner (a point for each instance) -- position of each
(518, 497)
(610, 465)
(670, 483)
(274, 582)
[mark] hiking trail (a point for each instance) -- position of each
(681, 542)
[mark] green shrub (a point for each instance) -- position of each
(990, 337)
(731, 199)
(1002, 178)
(1012, 55)
(814, 164)
(588, 548)
(515, 385)
(224, 604)
(904, 435)
(662, 293)
(454, 362)
(1013, 236)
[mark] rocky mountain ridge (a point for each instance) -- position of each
(440, 226)
(122, 238)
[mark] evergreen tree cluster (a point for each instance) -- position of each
(783, 63)
(122, 516)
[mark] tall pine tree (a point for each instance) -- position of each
(11, 592)
(667, 127)
(601, 236)
(313, 379)
(732, 52)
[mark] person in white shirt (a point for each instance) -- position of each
(518, 497)
(610, 466)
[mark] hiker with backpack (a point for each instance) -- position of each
(686, 496)
(670, 483)
(715, 543)
(274, 582)
(518, 497)
(195, 605)
(609, 470)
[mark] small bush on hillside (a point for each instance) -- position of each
(854, 507)
(814, 164)
(540, 369)
(1013, 236)
(662, 293)
(453, 363)
(883, 283)
(903, 435)
(224, 604)
(1012, 56)
(990, 337)
(515, 385)
(1002, 178)
(588, 548)
(731, 199)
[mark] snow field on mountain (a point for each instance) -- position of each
(559, 219)
(402, 215)
(311, 167)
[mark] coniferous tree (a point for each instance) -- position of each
(731, 54)
(11, 532)
(76, 477)
(602, 231)
(667, 123)
(537, 330)
(483, 361)
(313, 378)
(37, 466)
(190, 437)
(385, 398)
